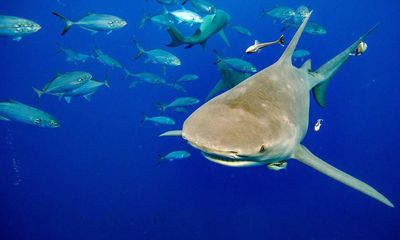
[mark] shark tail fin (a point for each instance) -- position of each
(141, 51)
(281, 41)
(287, 54)
(303, 155)
(144, 117)
(326, 71)
(38, 92)
(176, 37)
(68, 22)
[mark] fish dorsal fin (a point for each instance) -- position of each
(256, 42)
(306, 66)
(287, 55)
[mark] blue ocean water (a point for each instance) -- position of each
(96, 176)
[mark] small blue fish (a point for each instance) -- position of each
(179, 102)
(187, 78)
(163, 120)
(180, 154)
(72, 55)
(86, 90)
(15, 111)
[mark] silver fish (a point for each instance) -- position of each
(202, 6)
(187, 78)
(73, 56)
(86, 90)
(106, 59)
(145, 77)
(16, 28)
(179, 102)
(237, 64)
(15, 111)
(158, 56)
(64, 82)
(94, 22)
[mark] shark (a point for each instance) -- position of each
(212, 24)
(263, 120)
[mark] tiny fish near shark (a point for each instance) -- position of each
(257, 46)
(264, 119)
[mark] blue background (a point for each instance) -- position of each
(96, 176)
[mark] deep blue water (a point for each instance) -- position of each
(96, 176)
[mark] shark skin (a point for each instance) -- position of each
(211, 25)
(264, 119)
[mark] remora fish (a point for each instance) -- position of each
(211, 25)
(264, 119)
(86, 90)
(158, 56)
(72, 55)
(16, 28)
(106, 59)
(15, 111)
(94, 22)
(257, 46)
(179, 102)
(202, 6)
(64, 82)
(180, 154)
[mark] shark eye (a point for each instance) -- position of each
(262, 148)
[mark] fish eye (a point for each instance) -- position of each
(37, 121)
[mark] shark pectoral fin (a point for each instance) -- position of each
(220, 87)
(4, 119)
(319, 93)
(223, 36)
(173, 133)
(302, 154)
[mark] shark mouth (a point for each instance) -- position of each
(235, 161)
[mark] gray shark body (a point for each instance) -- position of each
(264, 119)
(211, 25)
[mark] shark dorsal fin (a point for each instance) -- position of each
(287, 55)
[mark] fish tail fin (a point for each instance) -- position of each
(38, 92)
(144, 19)
(105, 82)
(144, 117)
(324, 74)
(127, 73)
(303, 155)
(160, 159)
(68, 22)
(140, 49)
(176, 37)
(281, 41)
(219, 58)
